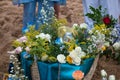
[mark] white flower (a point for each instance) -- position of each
(112, 77)
(27, 49)
(103, 73)
(78, 50)
(75, 25)
(11, 52)
(18, 68)
(48, 37)
(76, 56)
(42, 35)
(93, 38)
(73, 54)
(10, 75)
(90, 32)
(107, 44)
(82, 54)
(116, 46)
(37, 36)
(77, 61)
(83, 26)
(12, 56)
(61, 58)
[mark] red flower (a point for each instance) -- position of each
(107, 20)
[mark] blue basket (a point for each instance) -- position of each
(53, 71)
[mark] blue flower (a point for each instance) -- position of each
(59, 41)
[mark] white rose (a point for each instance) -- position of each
(112, 77)
(77, 61)
(117, 46)
(78, 49)
(73, 54)
(103, 73)
(61, 58)
(83, 26)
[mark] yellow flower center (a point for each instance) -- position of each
(103, 48)
(69, 59)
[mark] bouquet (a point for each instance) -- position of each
(58, 43)
(106, 25)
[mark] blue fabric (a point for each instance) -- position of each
(15, 2)
(66, 70)
(25, 1)
(61, 2)
(49, 71)
(29, 15)
(26, 64)
(26, 28)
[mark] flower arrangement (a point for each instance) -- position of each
(105, 25)
(58, 43)
(54, 42)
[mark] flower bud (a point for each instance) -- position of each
(112, 77)
(103, 73)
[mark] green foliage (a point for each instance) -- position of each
(52, 27)
(41, 46)
(96, 14)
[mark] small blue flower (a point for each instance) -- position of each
(59, 41)
(25, 29)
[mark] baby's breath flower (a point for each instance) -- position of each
(75, 25)
(83, 26)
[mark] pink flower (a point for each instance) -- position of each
(18, 50)
(22, 39)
